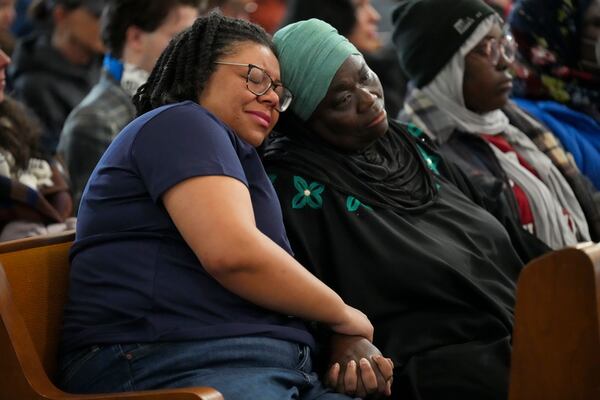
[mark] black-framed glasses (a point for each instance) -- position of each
(493, 48)
(259, 82)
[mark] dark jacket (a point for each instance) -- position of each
(468, 162)
(90, 128)
(49, 84)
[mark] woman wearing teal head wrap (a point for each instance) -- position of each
(312, 52)
(366, 210)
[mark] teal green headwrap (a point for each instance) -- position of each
(310, 53)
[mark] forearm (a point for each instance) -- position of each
(268, 276)
(223, 234)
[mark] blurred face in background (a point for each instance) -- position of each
(77, 33)
(152, 44)
(590, 38)
(240, 9)
(4, 61)
(365, 34)
(7, 14)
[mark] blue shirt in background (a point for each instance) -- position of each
(133, 278)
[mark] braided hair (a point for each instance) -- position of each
(187, 63)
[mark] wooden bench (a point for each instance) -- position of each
(556, 339)
(556, 342)
(33, 290)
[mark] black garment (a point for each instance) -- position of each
(438, 283)
(490, 188)
(49, 84)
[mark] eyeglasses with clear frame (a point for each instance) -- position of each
(493, 48)
(258, 82)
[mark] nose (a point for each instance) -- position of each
(4, 59)
(270, 97)
(503, 63)
(373, 14)
(366, 99)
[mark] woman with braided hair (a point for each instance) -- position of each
(181, 271)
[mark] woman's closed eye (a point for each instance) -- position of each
(342, 101)
(366, 76)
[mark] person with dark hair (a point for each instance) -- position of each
(56, 66)
(559, 78)
(181, 271)
(7, 16)
(462, 84)
(357, 20)
(134, 40)
(366, 209)
(34, 196)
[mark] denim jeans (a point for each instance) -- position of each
(239, 368)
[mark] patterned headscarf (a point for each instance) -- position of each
(548, 34)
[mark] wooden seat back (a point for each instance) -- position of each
(556, 340)
(33, 291)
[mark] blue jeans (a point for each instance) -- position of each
(239, 368)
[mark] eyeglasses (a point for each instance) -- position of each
(259, 82)
(493, 48)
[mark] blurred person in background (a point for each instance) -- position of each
(34, 196)
(7, 17)
(462, 84)
(269, 14)
(133, 41)
(358, 21)
(240, 9)
(559, 78)
(22, 25)
(56, 66)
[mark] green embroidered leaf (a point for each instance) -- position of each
(413, 130)
(430, 160)
(300, 184)
(299, 201)
(314, 201)
(353, 204)
(316, 188)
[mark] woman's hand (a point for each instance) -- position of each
(354, 323)
(358, 368)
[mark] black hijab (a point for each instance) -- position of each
(389, 173)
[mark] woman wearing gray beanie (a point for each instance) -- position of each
(459, 63)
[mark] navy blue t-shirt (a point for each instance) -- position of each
(133, 278)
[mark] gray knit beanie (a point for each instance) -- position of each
(427, 33)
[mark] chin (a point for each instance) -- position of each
(380, 129)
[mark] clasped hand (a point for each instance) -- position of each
(358, 368)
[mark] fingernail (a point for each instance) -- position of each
(352, 363)
(364, 361)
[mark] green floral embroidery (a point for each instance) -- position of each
(272, 177)
(307, 194)
(414, 131)
(431, 160)
(353, 204)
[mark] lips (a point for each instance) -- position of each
(506, 85)
(262, 118)
(381, 115)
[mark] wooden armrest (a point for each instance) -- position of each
(196, 393)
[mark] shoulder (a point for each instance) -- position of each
(102, 108)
